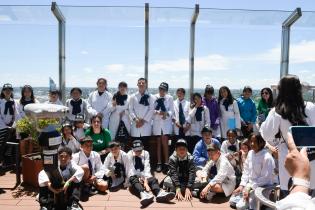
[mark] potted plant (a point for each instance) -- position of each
(29, 131)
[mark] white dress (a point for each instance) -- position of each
(186, 107)
(115, 118)
(271, 126)
(196, 126)
(100, 104)
(232, 113)
(138, 110)
(161, 126)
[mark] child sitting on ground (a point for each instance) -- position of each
(142, 181)
(223, 182)
(182, 172)
(72, 175)
(258, 171)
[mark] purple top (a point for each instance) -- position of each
(213, 107)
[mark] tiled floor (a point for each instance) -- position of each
(24, 198)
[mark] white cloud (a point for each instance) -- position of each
(115, 67)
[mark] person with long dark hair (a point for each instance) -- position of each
(265, 104)
(101, 136)
(290, 110)
(119, 118)
(198, 118)
(27, 97)
(229, 112)
(100, 101)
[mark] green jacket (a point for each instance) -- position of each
(263, 108)
(101, 140)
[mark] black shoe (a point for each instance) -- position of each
(158, 168)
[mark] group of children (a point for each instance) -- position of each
(96, 133)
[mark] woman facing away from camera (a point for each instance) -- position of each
(290, 110)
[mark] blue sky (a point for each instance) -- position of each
(233, 48)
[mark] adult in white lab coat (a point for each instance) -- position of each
(230, 114)
(198, 118)
(76, 104)
(290, 109)
(181, 111)
(141, 109)
(119, 110)
(162, 124)
(100, 101)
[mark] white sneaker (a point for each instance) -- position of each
(210, 196)
(164, 197)
(146, 198)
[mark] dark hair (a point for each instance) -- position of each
(74, 89)
(229, 96)
(247, 88)
(22, 93)
(100, 79)
(181, 90)
(3, 96)
(246, 142)
(270, 100)
(113, 144)
(290, 103)
(93, 118)
(66, 150)
(193, 99)
(63, 129)
(209, 89)
(260, 141)
(144, 79)
(122, 84)
(231, 131)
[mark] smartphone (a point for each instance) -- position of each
(304, 136)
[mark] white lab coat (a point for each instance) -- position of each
(296, 201)
(84, 110)
(20, 108)
(70, 168)
(100, 104)
(145, 157)
(5, 119)
(225, 174)
(124, 160)
(81, 159)
(161, 126)
(258, 169)
(196, 126)
(115, 118)
(186, 107)
(73, 144)
(138, 110)
(233, 112)
(271, 126)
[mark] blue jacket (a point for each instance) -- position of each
(247, 109)
(200, 152)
